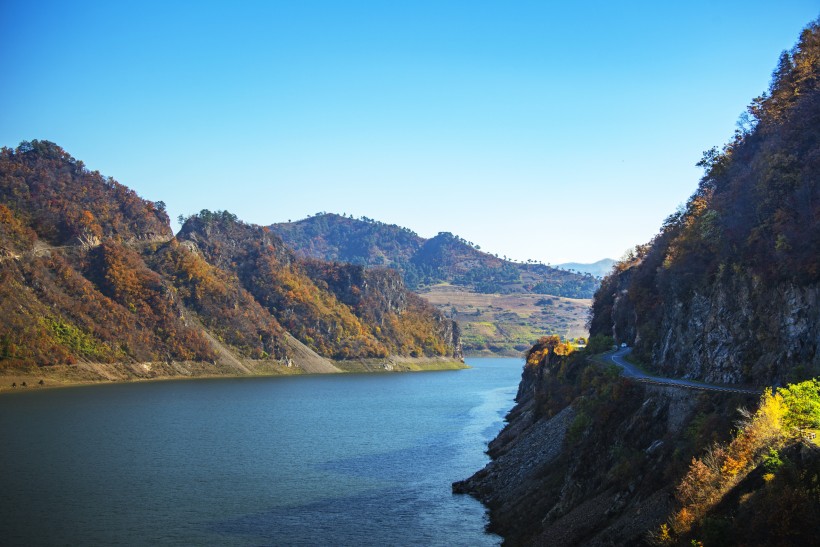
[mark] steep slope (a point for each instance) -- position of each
(592, 458)
(342, 311)
(728, 291)
(72, 290)
(90, 274)
(50, 190)
(445, 258)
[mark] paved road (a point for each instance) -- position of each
(631, 371)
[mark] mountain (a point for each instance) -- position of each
(728, 290)
(445, 258)
(341, 310)
(727, 293)
(93, 279)
(356, 241)
(598, 269)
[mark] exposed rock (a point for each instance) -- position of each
(737, 331)
(551, 483)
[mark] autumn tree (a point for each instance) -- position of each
(802, 402)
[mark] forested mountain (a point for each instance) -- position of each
(340, 310)
(728, 290)
(443, 258)
(91, 273)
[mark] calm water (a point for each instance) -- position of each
(319, 460)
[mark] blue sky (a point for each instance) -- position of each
(544, 130)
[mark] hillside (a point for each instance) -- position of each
(728, 290)
(91, 276)
(342, 311)
(445, 258)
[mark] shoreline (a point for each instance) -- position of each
(85, 374)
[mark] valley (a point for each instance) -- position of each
(507, 324)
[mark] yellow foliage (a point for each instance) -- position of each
(714, 474)
(733, 466)
(664, 537)
(768, 420)
(536, 356)
(683, 520)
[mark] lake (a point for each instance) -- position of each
(307, 460)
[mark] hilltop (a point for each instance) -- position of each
(93, 280)
(445, 258)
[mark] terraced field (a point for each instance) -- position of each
(508, 324)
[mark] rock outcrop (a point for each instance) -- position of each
(741, 331)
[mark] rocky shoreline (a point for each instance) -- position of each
(592, 470)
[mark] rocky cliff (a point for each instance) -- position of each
(737, 329)
(590, 458)
(740, 330)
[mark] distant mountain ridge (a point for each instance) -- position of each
(445, 258)
(599, 269)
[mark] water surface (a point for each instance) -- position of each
(310, 460)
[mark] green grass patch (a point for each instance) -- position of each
(79, 342)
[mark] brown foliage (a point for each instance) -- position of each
(57, 195)
(341, 311)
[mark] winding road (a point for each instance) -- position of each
(631, 371)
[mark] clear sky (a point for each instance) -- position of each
(555, 131)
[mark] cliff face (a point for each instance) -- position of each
(740, 330)
(736, 329)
